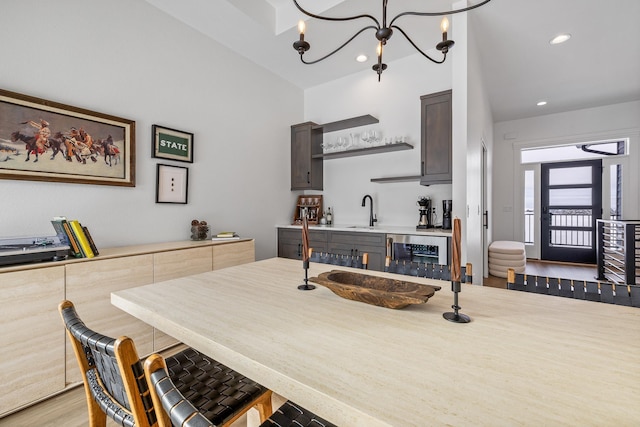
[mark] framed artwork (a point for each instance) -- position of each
(43, 140)
(172, 144)
(172, 184)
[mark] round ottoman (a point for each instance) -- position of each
(505, 254)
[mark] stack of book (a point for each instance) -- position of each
(225, 235)
(72, 233)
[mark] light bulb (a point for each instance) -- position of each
(379, 49)
(301, 27)
(444, 25)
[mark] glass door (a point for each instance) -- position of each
(571, 202)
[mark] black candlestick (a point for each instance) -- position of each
(306, 286)
(455, 316)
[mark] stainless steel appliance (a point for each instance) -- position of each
(446, 214)
(418, 248)
(425, 213)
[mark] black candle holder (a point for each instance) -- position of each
(306, 286)
(455, 316)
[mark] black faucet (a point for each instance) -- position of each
(372, 218)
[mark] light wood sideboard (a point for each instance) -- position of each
(36, 359)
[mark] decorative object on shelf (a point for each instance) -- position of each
(329, 216)
(309, 207)
(172, 144)
(172, 183)
(305, 252)
(455, 316)
(93, 148)
(383, 33)
(380, 291)
(199, 230)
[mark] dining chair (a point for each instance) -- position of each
(115, 384)
(355, 261)
(622, 295)
(516, 281)
(180, 411)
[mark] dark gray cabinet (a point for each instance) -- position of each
(436, 121)
(347, 243)
(306, 170)
(336, 242)
(290, 242)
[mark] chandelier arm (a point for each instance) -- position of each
(328, 18)
(417, 48)
(340, 47)
(443, 13)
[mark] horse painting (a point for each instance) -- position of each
(111, 152)
(30, 142)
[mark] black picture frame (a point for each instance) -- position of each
(171, 144)
(172, 184)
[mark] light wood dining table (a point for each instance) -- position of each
(524, 360)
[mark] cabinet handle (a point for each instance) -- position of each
(351, 252)
(299, 249)
(422, 167)
(356, 253)
(308, 177)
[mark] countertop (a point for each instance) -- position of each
(525, 359)
(386, 229)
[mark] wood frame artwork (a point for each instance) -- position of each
(43, 140)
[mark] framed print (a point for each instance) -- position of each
(43, 140)
(172, 184)
(172, 144)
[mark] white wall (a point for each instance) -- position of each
(128, 59)
(479, 130)
(395, 101)
(593, 124)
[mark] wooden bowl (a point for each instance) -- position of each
(380, 291)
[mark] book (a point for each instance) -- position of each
(94, 248)
(82, 238)
(221, 239)
(65, 235)
(227, 234)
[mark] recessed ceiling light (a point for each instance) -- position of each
(560, 38)
(361, 58)
(541, 103)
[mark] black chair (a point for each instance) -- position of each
(566, 288)
(606, 292)
(179, 410)
(591, 291)
(579, 291)
(355, 261)
(115, 383)
(634, 292)
(427, 270)
(516, 281)
(622, 295)
(553, 286)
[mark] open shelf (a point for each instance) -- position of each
(396, 179)
(347, 123)
(365, 151)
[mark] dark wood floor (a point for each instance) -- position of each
(549, 269)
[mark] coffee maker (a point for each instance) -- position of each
(424, 222)
(446, 214)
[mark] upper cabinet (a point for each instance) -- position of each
(306, 170)
(436, 138)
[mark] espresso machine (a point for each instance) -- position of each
(424, 206)
(446, 214)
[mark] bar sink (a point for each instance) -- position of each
(380, 291)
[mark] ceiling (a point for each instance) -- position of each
(599, 65)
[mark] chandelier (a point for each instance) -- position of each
(383, 31)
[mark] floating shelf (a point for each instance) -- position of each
(347, 123)
(396, 179)
(365, 151)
